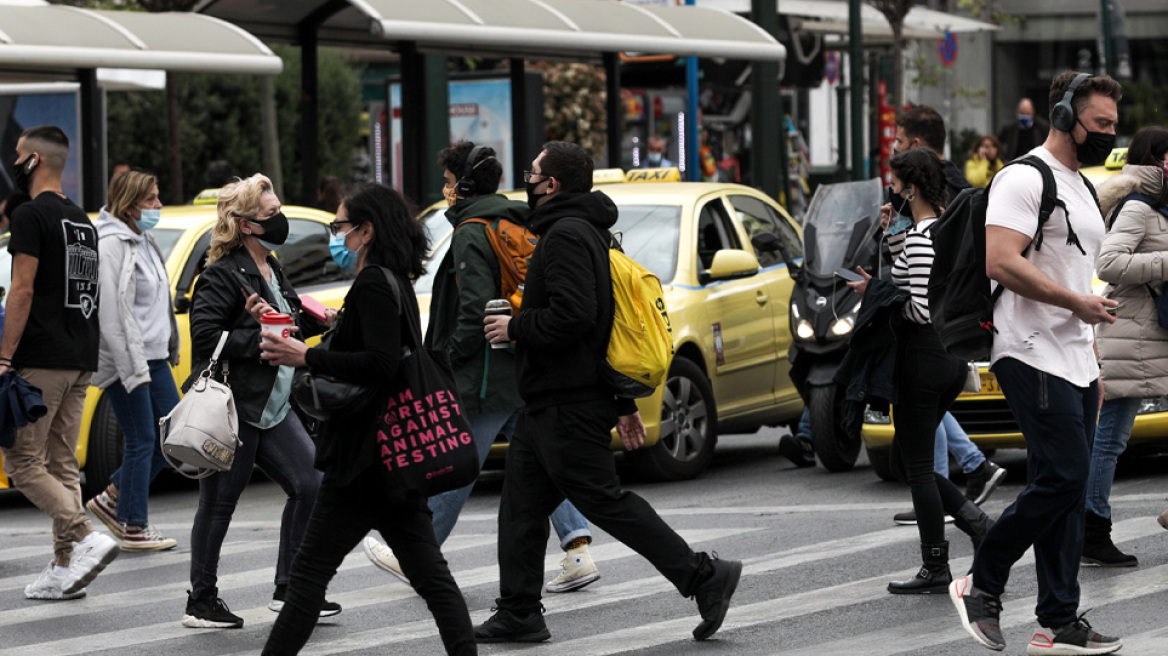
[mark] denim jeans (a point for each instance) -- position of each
(285, 453)
(567, 521)
(1115, 426)
(804, 429)
(1058, 421)
(951, 439)
(138, 412)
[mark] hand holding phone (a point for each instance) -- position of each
(848, 275)
(1115, 310)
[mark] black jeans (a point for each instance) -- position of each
(564, 452)
(1058, 421)
(928, 381)
(342, 517)
(285, 453)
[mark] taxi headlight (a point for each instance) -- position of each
(873, 417)
(1153, 405)
(804, 331)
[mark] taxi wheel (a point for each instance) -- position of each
(836, 448)
(104, 454)
(881, 463)
(689, 427)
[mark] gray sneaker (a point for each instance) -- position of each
(980, 613)
(1075, 638)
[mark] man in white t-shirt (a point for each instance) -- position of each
(1045, 362)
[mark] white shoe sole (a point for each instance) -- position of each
(991, 485)
(380, 565)
(573, 585)
(956, 598)
(41, 596)
(85, 579)
(1046, 648)
(192, 622)
(154, 546)
(111, 523)
(277, 606)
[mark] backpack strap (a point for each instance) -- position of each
(1136, 197)
(489, 226)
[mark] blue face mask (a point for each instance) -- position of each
(345, 258)
(147, 219)
(1025, 121)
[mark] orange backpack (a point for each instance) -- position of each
(513, 245)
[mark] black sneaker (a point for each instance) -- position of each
(980, 613)
(505, 626)
(713, 596)
(910, 518)
(798, 450)
(1075, 638)
(209, 613)
(981, 482)
(276, 605)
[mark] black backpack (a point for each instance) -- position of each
(961, 304)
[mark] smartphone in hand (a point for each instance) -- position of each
(312, 307)
(848, 275)
(1115, 310)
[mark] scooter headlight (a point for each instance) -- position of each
(804, 331)
(843, 325)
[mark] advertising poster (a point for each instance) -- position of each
(23, 107)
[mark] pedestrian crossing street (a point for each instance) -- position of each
(798, 596)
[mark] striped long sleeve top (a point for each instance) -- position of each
(914, 260)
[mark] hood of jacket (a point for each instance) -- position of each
(955, 178)
(595, 207)
(493, 206)
(108, 224)
(1134, 179)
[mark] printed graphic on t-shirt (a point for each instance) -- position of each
(80, 266)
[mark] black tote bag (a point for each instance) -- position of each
(423, 440)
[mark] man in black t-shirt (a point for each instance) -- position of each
(51, 340)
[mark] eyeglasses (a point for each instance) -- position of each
(334, 227)
(528, 175)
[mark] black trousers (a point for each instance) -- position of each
(341, 518)
(928, 381)
(564, 452)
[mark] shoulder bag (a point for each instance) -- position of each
(203, 429)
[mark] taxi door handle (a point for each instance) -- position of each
(761, 298)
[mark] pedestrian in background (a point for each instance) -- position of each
(375, 225)
(1025, 133)
(984, 161)
(242, 282)
(1133, 351)
(139, 344)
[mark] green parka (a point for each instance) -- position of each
(466, 279)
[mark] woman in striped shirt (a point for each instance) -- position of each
(928, 378)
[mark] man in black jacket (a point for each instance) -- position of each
(561, 446)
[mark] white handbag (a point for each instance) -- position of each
(203, 429)
(972, 378)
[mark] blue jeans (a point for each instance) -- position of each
(952, 439)
(138, 412)
(1058, 422)
(1115, 426)
(804, 429)
(567, 521)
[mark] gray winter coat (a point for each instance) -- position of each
(1133, 351)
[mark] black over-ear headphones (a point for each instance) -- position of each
(466, 186)
(1063, 116)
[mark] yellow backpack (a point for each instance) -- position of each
(641, 344)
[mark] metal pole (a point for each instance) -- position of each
(271, 134)
(692, 134)
(612, 107)
(309, 116)
(1108, 48)
(521, 148)
(92, 141)
(856, 88)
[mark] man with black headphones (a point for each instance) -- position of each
(1044, 358)
(466, 279)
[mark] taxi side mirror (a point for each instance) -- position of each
(731, 264)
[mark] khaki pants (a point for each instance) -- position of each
(43, 460)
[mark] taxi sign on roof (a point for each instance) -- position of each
(607, 176)
(1116, 159)
(672, 174)
(207, 197)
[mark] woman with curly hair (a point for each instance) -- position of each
(928, 379)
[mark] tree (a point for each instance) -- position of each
(573, 101)
(895, 11)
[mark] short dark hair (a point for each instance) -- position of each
(1101, 85)
(49, 133)
(924, 123)
(399, 240)
(1147, 149)
(51, 142)
(922, 167)
(568, 163)
(487, 172)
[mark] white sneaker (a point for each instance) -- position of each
(579, 571)
(382, 556)
(146, 538)
(105, 508)
(90, 557)
(49, 585)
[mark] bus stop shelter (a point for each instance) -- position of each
(60, 43)
(425, 33)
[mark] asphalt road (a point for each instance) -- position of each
(818, 550)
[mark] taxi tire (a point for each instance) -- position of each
(836, 449)
(658, 462)
(881, 463)
(104, 453)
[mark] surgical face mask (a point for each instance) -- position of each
(1025, 121)
(147, 219)
(345, 258)
(21, 175)
(1095, 147)
(275, 231)
(654, 158)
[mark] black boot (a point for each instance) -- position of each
(973, 522)
(1098, 549)
(934, 577)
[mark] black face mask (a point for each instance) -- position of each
(1095, 148)
(20, 175)
(532, 197)
(275, 230)
(900, 204)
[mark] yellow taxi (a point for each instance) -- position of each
(987, 418)
(727, 304)
(184, 235)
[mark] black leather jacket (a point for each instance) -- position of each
(868, 370)
(217, 304)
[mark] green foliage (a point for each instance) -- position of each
(573, 101)
(1143, 104)
(219, 118)
(985, 10)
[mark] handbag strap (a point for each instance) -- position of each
(411, 318)
(215, 357)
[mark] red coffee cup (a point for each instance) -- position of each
(275, 324)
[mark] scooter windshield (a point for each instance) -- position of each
(839, 226)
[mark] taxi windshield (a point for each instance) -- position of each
(839, 226)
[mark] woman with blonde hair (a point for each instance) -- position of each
(985, 160)
(139, 343)
(241, 283)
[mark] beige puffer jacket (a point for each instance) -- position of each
(1134, 350)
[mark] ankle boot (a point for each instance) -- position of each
(1098, 549)
(973, 521)
(934, 577)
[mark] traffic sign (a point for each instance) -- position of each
(947, 48)
(831, 67)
